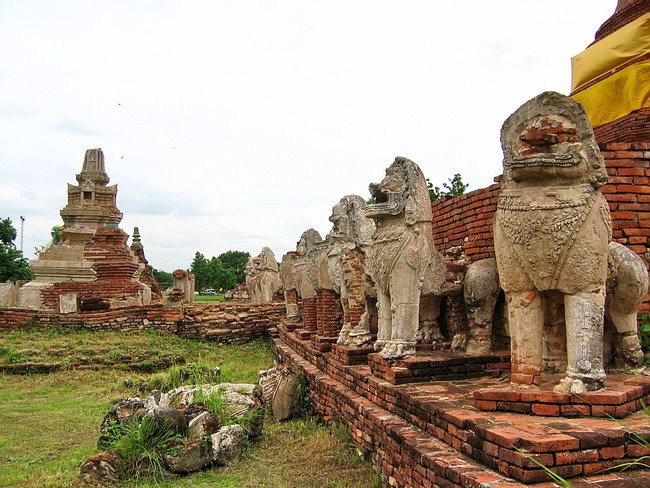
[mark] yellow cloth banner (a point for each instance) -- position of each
(617, 95)
(627, 43)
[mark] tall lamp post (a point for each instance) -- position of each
(22, 232)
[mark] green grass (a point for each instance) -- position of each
(49, 423)
(299, 453)
(143, 445)
(208, 298)
(146, 351)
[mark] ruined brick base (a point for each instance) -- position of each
(438, 365)
(351, 355)
(227, 323)
(303, 335)
(430, 434)
(323, 344)
(622, 396)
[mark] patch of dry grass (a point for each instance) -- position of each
(49, 423)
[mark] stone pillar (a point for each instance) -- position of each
(327, 308)
(291, 303)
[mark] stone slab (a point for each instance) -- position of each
(68, 303)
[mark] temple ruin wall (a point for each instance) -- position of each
(224, 323)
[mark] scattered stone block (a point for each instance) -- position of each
(227, 444)
(105, 467)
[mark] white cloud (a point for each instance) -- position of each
(233, 125)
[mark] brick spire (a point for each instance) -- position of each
(626, 11)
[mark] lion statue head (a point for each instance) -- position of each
(403, 190)
(549, 139)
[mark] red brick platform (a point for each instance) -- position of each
(351, 355)
(622, 396)
(430, 433)
(323, 344)
(303, 335)
(438, 365)
(291, 326)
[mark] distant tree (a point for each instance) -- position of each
(454, 188)
(201, 271)
(222, 272)
(221, 277)
(235, 261)
(13, 266)
(164, 279)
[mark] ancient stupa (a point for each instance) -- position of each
(87, 265)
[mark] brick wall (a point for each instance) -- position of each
(467, 220)
(628, 195)
(632, 127)
(225, 322)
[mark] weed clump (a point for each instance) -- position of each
(143, 444)
(197, 373)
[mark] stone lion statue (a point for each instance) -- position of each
(401, 255)
(288, 278)
(309, 248)
(551, 235)
(262, 277)
(627, 285)
(350, 235)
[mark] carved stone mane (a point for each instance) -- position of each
(404, 198)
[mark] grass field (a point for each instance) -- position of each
(208, 298)
(143, 351)
(49, 423)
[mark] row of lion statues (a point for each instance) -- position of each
(556, 274)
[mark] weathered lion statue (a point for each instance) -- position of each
(551, 235)
(627, 285)
(262, 277)
(350, 235)
(308, 247)
(402, 253)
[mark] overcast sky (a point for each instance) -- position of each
(232, 125)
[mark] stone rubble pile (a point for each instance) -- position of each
(207, 439)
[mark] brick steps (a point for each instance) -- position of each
(623, 395)
(439, 365)
(408, 456)
(444, 410)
